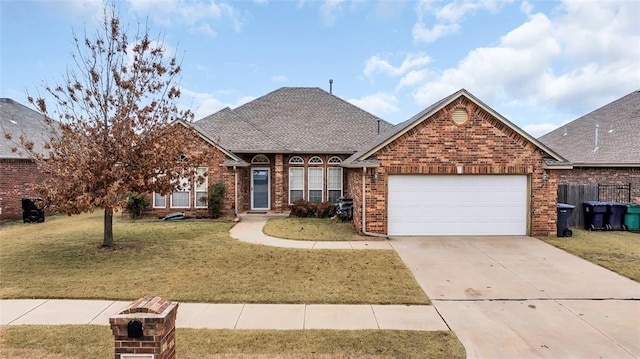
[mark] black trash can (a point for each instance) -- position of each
(615, 217)
(32, 210)
(562, 222)
(595, 213)
(344, 208)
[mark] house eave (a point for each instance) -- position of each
(616, 165)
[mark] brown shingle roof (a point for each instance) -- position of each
(294, 119)
(618, 135)
(18, 120)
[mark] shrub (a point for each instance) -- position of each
(325, 210)
(214, 201)
(303, 208)
(136, 203)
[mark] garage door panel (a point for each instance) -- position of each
(457, 205)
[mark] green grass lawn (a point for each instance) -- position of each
(313, 229)
(90, 341)
(615, 250)
(189, 261)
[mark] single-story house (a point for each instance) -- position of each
(456, 168)
(603, 146)
(18, 173)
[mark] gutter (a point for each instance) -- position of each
(364, 209)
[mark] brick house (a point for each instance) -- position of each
(457, 167)
(603, 146)
(18, 173)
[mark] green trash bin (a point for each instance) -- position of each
(632, 217)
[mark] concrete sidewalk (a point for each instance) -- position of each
(231, 316)
(249, 230)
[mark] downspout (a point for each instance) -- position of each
(364, 209)
(235, 192)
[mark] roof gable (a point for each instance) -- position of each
(293, 119)
(618, 133)
(365, 155)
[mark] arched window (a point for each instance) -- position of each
(315, 160)
(334, 160)
(296, 160)
(260, 160)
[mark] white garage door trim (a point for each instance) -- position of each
(457, 205)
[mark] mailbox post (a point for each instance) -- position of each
(145, 329)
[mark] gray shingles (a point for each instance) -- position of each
(618, 135)
(294, 119)
(18, 120)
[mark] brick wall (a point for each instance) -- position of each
(595, 175)
(18, 178)
(483, 145)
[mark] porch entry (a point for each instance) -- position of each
(260, 188)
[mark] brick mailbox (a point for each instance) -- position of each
(146, 329)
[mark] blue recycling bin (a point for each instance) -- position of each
(615, 216)
(595, 213)
(562, 222)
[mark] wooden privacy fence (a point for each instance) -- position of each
(576, 194)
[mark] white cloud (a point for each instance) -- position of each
(572, 60)
(279, 78)
(447, 18)
(196, 15)
(378, 103)
(413, 78)
(330, 10)
(201, 103)
(376, 64)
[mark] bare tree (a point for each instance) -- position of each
(114, 124)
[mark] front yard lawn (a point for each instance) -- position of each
(190, 261)
(313, 229)
(92, 341)
(615, 250)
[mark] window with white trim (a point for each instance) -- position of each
(296, 160)
(181, 198)
(315, 184)
(296, 184)
(334, 160)
(159, 201)
(315, 160)
(202, 184)
(334, 184)
(260, 160)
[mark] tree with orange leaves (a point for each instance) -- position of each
(115, 126)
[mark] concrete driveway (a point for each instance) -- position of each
(518, 297)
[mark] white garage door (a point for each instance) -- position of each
(457, 205)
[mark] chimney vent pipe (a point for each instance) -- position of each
(331, 86)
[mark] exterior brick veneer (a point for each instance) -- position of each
(158, 317)
(609, 175)
(19, 179)
(482, 145)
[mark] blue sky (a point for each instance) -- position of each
(538, 63)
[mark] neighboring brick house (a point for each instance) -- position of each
(18, 173)
(603, 146)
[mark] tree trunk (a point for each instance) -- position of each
(108, 227)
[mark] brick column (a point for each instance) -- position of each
(158, 319)
(278, 184)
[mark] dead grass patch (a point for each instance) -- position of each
(190, 261)
(313, 229)
(615, 250)
(90, 341)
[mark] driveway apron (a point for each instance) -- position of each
(518, 297)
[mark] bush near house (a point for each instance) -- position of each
(305, 209)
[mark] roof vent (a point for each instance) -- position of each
(565, 132)
(331, 86)
(596, 138)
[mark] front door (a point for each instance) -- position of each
(260, 189)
